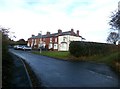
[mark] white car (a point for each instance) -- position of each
(25, 47)
(18, 47)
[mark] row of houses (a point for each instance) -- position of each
(56, 41)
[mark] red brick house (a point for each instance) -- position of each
(56, 41)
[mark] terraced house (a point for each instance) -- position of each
(56, 41)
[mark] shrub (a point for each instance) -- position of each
(81, 48)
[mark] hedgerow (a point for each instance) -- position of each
(81, 48)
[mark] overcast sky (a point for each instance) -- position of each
(27, 17)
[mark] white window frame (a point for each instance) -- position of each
(51, 39)
(50, 46)
(55, 39)
(55, 46)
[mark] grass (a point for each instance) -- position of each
(113, 60)
(108, 59)
(66, 55)
(54, 54)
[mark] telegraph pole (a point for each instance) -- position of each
(41, 42)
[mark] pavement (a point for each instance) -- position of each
(59, 73)
(20, 75)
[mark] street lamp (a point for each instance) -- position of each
(41, 42)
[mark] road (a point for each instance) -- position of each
(59, 73)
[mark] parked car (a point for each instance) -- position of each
(25, 47)
(18, 47)
(10, 46)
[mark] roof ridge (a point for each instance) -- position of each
(55, 34)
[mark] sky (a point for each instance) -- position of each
(27, 17)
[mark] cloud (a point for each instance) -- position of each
(26, 17)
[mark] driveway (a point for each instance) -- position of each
(59, 73)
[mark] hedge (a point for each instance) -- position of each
(81, 48)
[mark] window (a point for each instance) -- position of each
(35, 41)
(63, 46)
(50, 46)
(40, 39)
(44, 39)
(64, 39)
(50, 39)
(55, 39)
(55, 46)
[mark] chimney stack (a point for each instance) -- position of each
(72, 30)
(39, 33)
(33, 35)
(48, 33)
(59, 31)
(78, 33)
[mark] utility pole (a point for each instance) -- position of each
(41, 42)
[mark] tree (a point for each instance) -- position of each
(6, 38)
(113, 37)
(7, 62)
(115, 20)
(4, 32)
(21, 42)
(115, 23)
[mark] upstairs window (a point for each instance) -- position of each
(50, 39)
(44, 39)
(55, 39)
(64, 39)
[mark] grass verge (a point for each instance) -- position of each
(112, 59)
(54, 54)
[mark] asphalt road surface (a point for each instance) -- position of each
(59, 73)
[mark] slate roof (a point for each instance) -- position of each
(55, 34)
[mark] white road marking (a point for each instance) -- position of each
(110, 77)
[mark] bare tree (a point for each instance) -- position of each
(113, 37)
(115, 20)
(115, 23)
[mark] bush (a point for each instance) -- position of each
(7, 61)
(81, 48)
